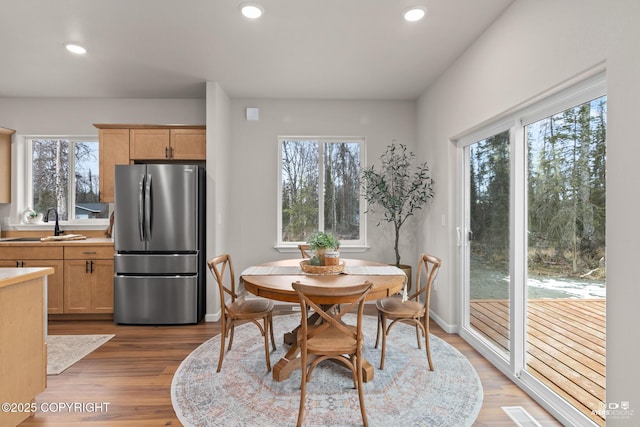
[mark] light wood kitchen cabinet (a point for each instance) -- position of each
(5, 164)
(189, 144)
(29, 256)
(23, 353)
(123, 144)
(167, 144)
(149, 144)
(88, 279)
(114, 150)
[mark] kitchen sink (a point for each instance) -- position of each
(23, 239)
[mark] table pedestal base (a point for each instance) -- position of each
(290, 361)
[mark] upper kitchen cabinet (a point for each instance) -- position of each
(168, 143)
(5, 164)
(122, 144)
(188, 144)
(114, 150)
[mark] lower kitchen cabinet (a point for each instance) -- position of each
(88, 279)
(39, 257)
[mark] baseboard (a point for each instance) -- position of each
(212, 317)
(448, 328)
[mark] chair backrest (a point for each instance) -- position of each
(304, 250)
(349, 297)
(428, 265)
(222, 269)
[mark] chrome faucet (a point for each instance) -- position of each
(56, 229)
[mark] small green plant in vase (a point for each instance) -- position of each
(320, 243)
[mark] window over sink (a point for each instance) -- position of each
(63, 173)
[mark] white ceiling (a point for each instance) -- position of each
(322, 49)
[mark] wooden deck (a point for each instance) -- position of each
(565, 345)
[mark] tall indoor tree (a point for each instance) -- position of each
(397, 189)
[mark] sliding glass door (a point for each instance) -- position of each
(532, 250)
(487, 236)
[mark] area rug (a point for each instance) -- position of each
(65, 350)
(405, 393)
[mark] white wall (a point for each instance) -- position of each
(251, 225)
(533, 47)
(218, 148)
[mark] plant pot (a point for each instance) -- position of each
(320, 254)
(407, 270)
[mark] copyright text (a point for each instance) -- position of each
(70, 407)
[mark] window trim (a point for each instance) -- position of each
(359, 245)
(24, 187)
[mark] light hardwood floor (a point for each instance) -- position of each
(133, 373)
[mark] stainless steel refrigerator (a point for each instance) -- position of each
(159, 242)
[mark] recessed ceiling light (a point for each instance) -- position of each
(414, 13)
(75, 48)
(251, 10)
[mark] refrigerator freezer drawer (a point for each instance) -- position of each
(144, 264)
(156, 300)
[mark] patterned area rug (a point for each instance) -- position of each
(405, 393)
(65, 350)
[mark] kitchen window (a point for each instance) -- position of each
(319, 189)
(64, 174)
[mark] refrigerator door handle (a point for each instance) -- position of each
(141, 207)
(147, 207)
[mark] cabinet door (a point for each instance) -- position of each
(149, 144)
(54, 281)
(5, 165)
(188, 144)
(102, 296)
(77, 286)
(88, 286)
(114, 150)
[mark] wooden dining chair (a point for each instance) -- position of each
(304, 251)
(330, 337)
(413, 311)
(239, 310)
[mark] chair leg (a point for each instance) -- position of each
(223, 336)
(427, 343)
(384, 340)
(303, 387)
(273, 340)
(378, 330)
(266, 342)
(418, 334)
(232, 328)
(360, 389)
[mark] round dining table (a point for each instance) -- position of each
(273, 280)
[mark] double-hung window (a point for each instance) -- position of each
(320, 189)
(64, 174)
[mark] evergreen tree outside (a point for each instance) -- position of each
(566, 155)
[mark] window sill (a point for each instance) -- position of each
(343, 249)
(64, 226)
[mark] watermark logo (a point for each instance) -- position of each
(614, 410)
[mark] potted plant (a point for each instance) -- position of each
(322, 242)
(398, 189)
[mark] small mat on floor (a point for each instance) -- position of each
(405, 393)
(65, 350)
